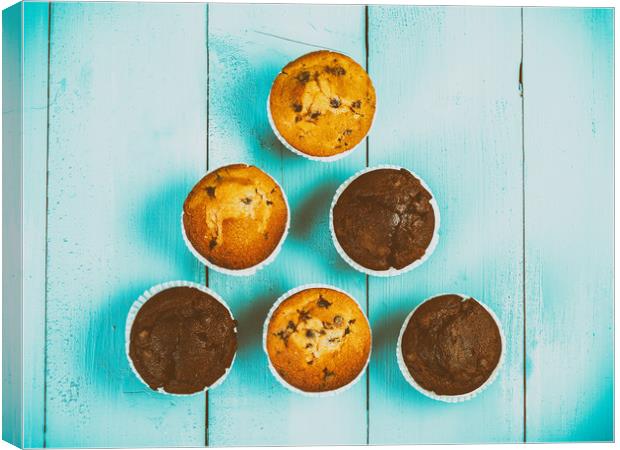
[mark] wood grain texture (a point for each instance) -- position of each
(36, 20)
(248, 45)
(450, 110)
(12, 231)
(127, 139)
(131, 130)
(568, 92)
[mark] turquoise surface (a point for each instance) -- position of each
(505, 112)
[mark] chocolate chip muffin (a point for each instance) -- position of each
(322, 104)
(318, 339)
(451, 345)
(235, 217)
(182, 340)
(385, 218)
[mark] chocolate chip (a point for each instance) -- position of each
(327, 373)
(211, 191)
(212, 243)
(303, 77)
(246, 200)
(296, 107)
(334, 103)
(304, 316)
(284, 336)
(269, 202)
(315, 115)
(308, 345)
(297, 118)
(347, 330)
(323, 303)
(338, 320)
(334, 339)
(347, 132)
(291, 325)
(335, 70)
(309, 333)
(352, 321)
(356, 104)
(202, 336)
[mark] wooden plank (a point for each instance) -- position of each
(568, 92)
(12, 256)
(127, 139)
(248, 45)
(450, 110)
(36, 21)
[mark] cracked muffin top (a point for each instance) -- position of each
(384, 219)
(451, 345)
(322, 103)
(182, 340)
(235, 216)
(318, 340)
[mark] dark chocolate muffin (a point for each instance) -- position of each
(451, 345)
(384, 219)
(182, 340)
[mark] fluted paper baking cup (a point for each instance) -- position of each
(392, 271)
(248, 270)
(273, 370)
(449, 398)
(133, 312)
(312, 157)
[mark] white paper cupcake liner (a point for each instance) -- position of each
(249, 270)
(133, 312)
(392, 271)
(273, 370)
(449, 398)
(318, 158)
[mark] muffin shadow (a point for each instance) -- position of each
(105, 359)
(159, 224)
(250, 321)
(386, 330)
(313, 211)
(270, 143)
(241, 102)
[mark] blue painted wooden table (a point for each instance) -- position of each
(505, 112)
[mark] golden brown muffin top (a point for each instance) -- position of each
(323, 103)
(235, 216)
(318, 339)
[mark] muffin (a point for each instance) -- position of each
(182, 340)
(322, 104)
(451, 345)
(236, 217)
(317, 339)
(385, 219)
